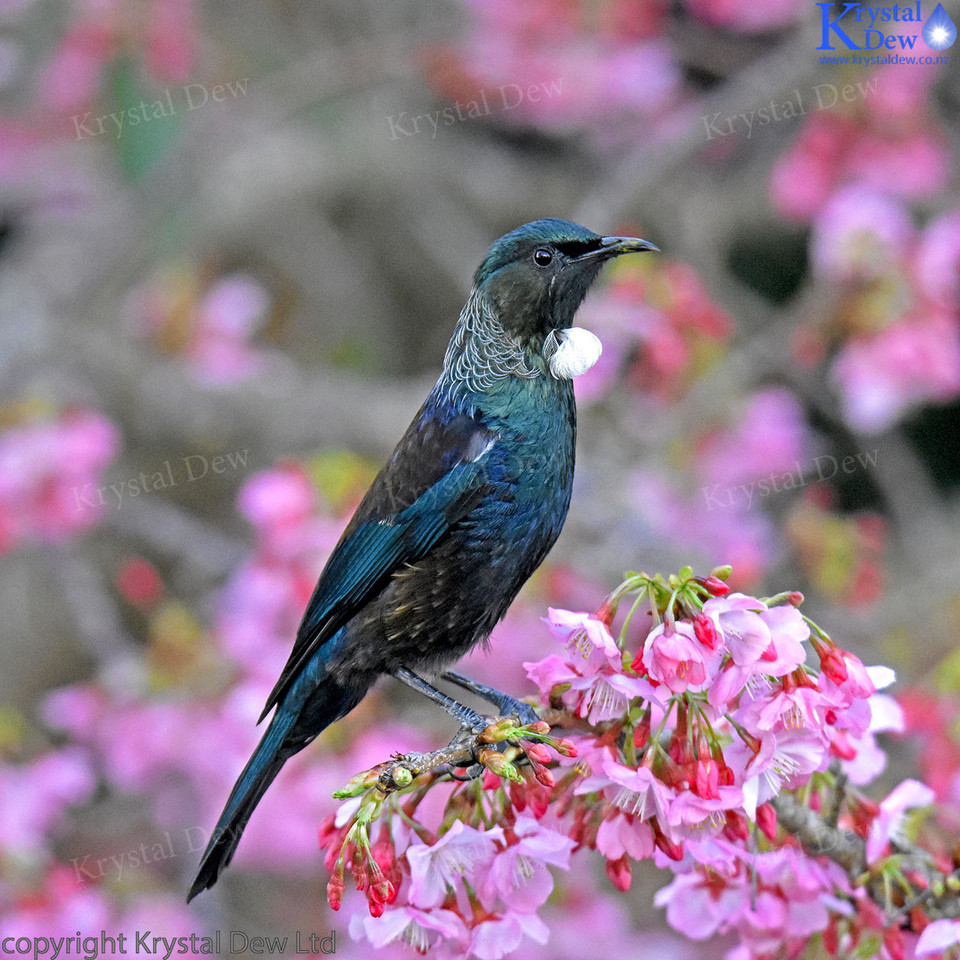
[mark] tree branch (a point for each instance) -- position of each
(938, 894)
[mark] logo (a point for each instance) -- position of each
(896, 27)
(939, 32)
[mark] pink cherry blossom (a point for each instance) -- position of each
(34, 797)
(795, 709)
(605, 695)
(747, 17)
(937, 262)
(518, 874)
(745, 633)
(549, 672)
(888, 826)
(860, 234)
(50, 477)
(637, 792)
(583, 634)
(692, 816)
(882, 376)
(621, 835)
(459, 854)
(673, 656)
(856, 685)
(784, 760)
(938, 937)
(694, 910)
(495, 938)
(421, 929)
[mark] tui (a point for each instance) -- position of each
(466, 508)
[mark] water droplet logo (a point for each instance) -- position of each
(939, 32)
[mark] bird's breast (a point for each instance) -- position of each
(436, 609)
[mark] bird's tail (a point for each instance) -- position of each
(290, 730)
(251, 785)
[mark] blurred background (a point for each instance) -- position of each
(234, 240)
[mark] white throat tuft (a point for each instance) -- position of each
(576, 351)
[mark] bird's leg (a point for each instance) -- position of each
(507, 705)
(468, 718)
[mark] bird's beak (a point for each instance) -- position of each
(614, 246)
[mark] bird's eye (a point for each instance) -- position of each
(543, 257)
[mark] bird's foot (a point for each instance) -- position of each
(522, 711)
(507, 705)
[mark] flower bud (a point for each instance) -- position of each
(537, 751)
(893, 941)
(706, 632)
(401, 776)
(667, 846)
(606, 613)
(359, 783)
(619, 873)
(641, 732)
(735, 828)
(716, 586)
(499, 730)
(490, 780)
(767, 821)
(335, 889)
(497, 763)
(833, 665)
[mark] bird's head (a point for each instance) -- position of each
(534, 278)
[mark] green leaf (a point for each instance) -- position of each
(143, 124)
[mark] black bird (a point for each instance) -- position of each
(466, 508)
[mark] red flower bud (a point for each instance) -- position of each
(606, 613)
(893, 941)
(328, 830)
(841, 746)
(831, 937)
(833, 665)
(139, 582)
(767, 821)
(619, 873)
(543, 775)
(715, 586)
(641, 732)
(673, 850)
(335, 889)
(536, 751)
(706, 631)
(379, 894)
(539, 802)
(735, 829)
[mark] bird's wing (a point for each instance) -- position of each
(376, 544)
